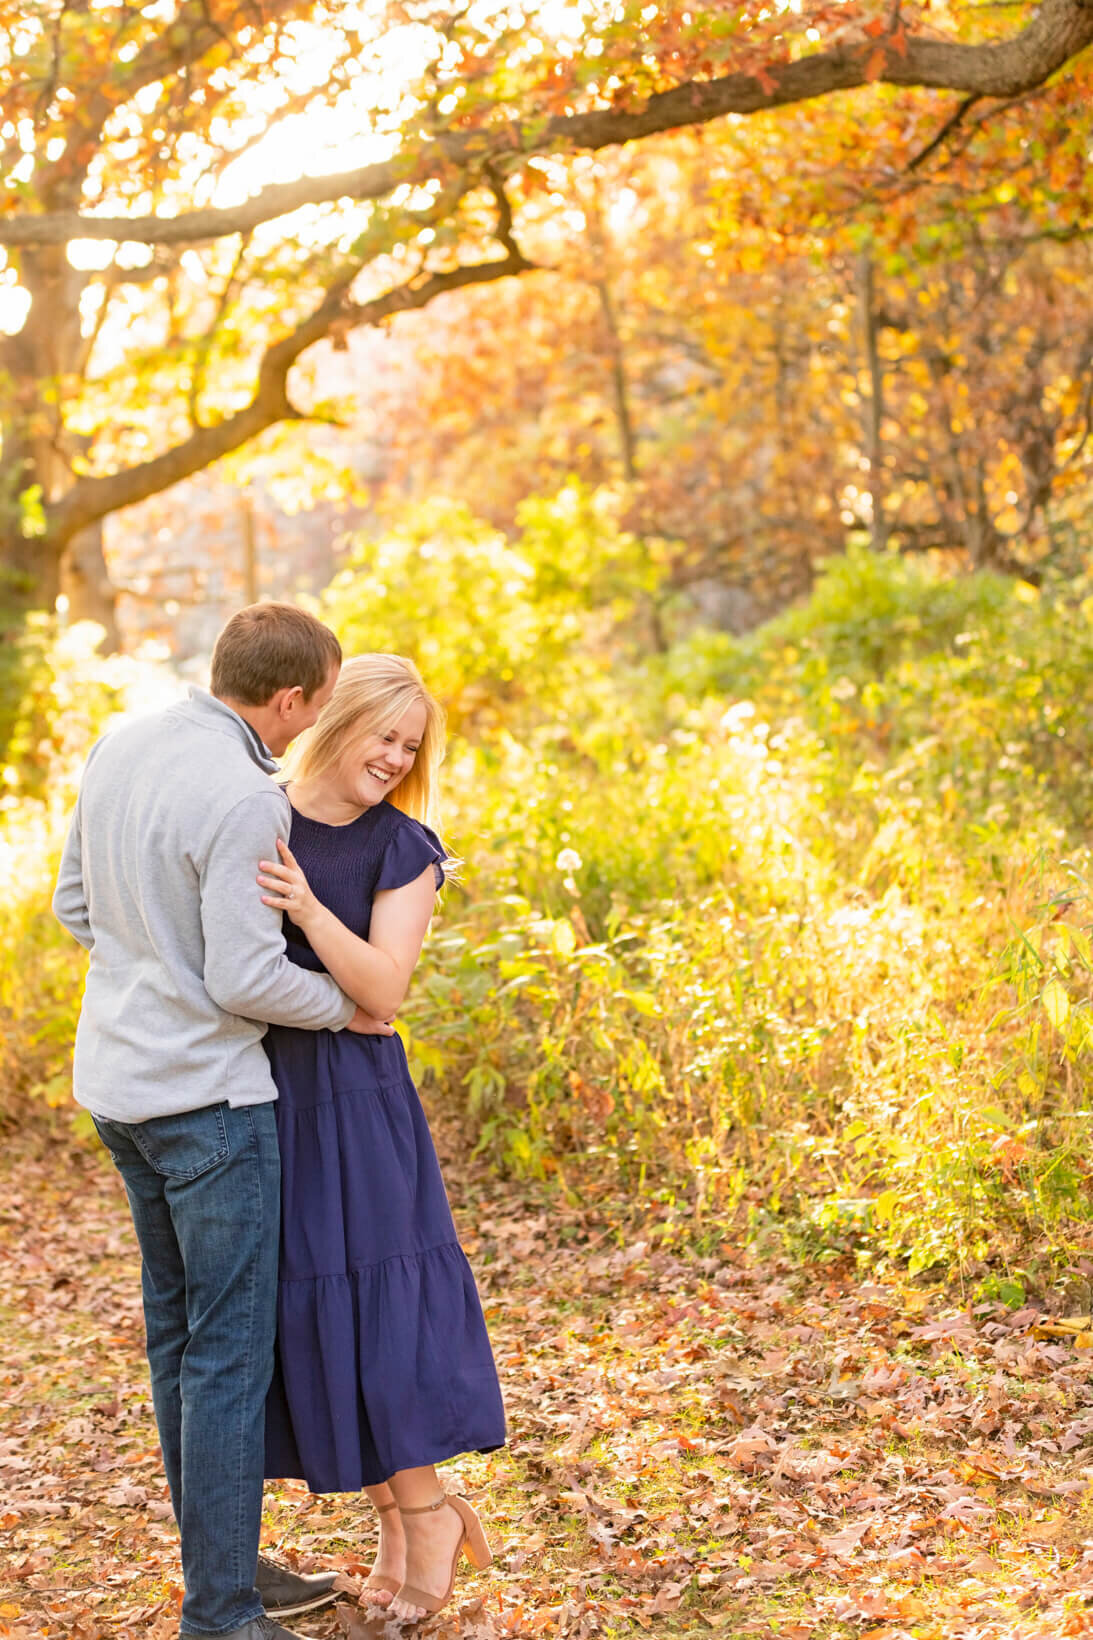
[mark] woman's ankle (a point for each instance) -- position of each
(381, 1498)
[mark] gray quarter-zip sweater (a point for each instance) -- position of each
(157, 880)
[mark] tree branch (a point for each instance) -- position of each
(93, 498)
(180, 46)
(504, 232)
(207, 341)
(1057, 31)
(946, 131)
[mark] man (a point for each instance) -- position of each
(187, 966)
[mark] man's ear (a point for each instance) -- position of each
(288, 699)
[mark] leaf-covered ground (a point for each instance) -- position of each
(699, 1442)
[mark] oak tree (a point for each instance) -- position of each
(157, 307)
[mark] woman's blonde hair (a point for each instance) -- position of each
(370, 697)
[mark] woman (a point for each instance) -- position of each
(384, 1367)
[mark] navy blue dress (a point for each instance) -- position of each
(383, 1361)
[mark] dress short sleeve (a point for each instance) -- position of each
(411, 849)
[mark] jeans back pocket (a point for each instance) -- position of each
(183, 1146)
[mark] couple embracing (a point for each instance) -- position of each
(309, 1310)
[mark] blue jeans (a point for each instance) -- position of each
(204, 1188)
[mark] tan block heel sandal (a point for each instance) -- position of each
(472, 1543)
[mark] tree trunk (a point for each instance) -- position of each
(874, 407)
(40, 452)
(619, 392)
(86, 584)
(29, 573)
(598, 236)
(251, 579)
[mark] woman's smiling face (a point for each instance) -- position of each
(369, 769)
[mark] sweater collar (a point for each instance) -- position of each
(219, 716)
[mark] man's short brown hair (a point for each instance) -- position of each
(268, 647)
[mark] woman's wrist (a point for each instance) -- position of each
(311, 917)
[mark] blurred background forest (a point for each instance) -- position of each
(726, 467)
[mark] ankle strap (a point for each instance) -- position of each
(426, 1508)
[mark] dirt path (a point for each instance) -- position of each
(698, 1443)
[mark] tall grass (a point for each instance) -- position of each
(69, 695)
(796, 925)
(790, 931)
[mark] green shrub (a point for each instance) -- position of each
(70, 696)
(495, 624)
(789, 931)
(807, 854)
